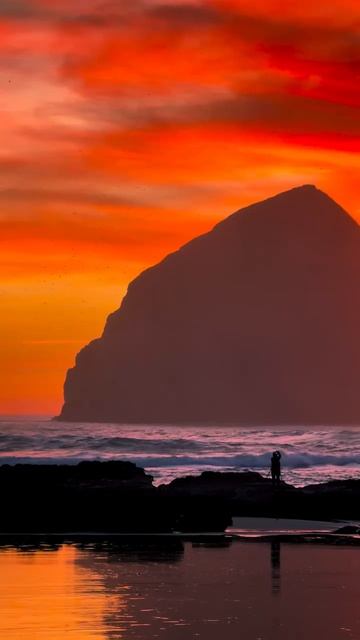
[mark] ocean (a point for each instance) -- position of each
(309, 455)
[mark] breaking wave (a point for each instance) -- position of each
(309, 455)
(299, 461)
(248, 461)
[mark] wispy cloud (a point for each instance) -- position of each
(128, 127)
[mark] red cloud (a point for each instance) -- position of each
(119, 117)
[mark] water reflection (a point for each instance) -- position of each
(137, 549)
(143, 589)
(275, 554)
(43, 596)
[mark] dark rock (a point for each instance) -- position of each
(113, 497)
(246, 493)
(87, 474)
(90, 496)
(201, 516)
(217, 483)
(100, 497)
(249, 494)
(333, 487)
(256, 322)
(337, 499)
(348, 530)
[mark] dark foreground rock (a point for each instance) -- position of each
(100, 497)
(348, 530)
(90, 496)
(250, 494)
(119, 497)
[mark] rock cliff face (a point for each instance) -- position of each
(256, 322)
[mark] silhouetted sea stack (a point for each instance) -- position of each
(255, 322)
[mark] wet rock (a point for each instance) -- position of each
(348, 530)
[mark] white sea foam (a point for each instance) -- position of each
(309, 454)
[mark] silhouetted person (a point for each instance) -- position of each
(276, 467)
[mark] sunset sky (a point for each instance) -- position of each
(129, 127)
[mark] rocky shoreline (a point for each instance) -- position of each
(119, 497)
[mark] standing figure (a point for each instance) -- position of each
(276, 467)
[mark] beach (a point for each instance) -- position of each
(264, 578)
(180, 590)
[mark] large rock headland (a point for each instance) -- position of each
(255, 322)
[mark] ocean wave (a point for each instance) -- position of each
(12, 460)
(240, 461)
(11, 442)
(309, 455)
(259, 461)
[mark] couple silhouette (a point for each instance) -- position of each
(276, 467)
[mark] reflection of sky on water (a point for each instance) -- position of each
(174, 590)
(45, 596)
(275, 547)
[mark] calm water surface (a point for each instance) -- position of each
(179, 590)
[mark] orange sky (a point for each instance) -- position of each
(129, 127)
